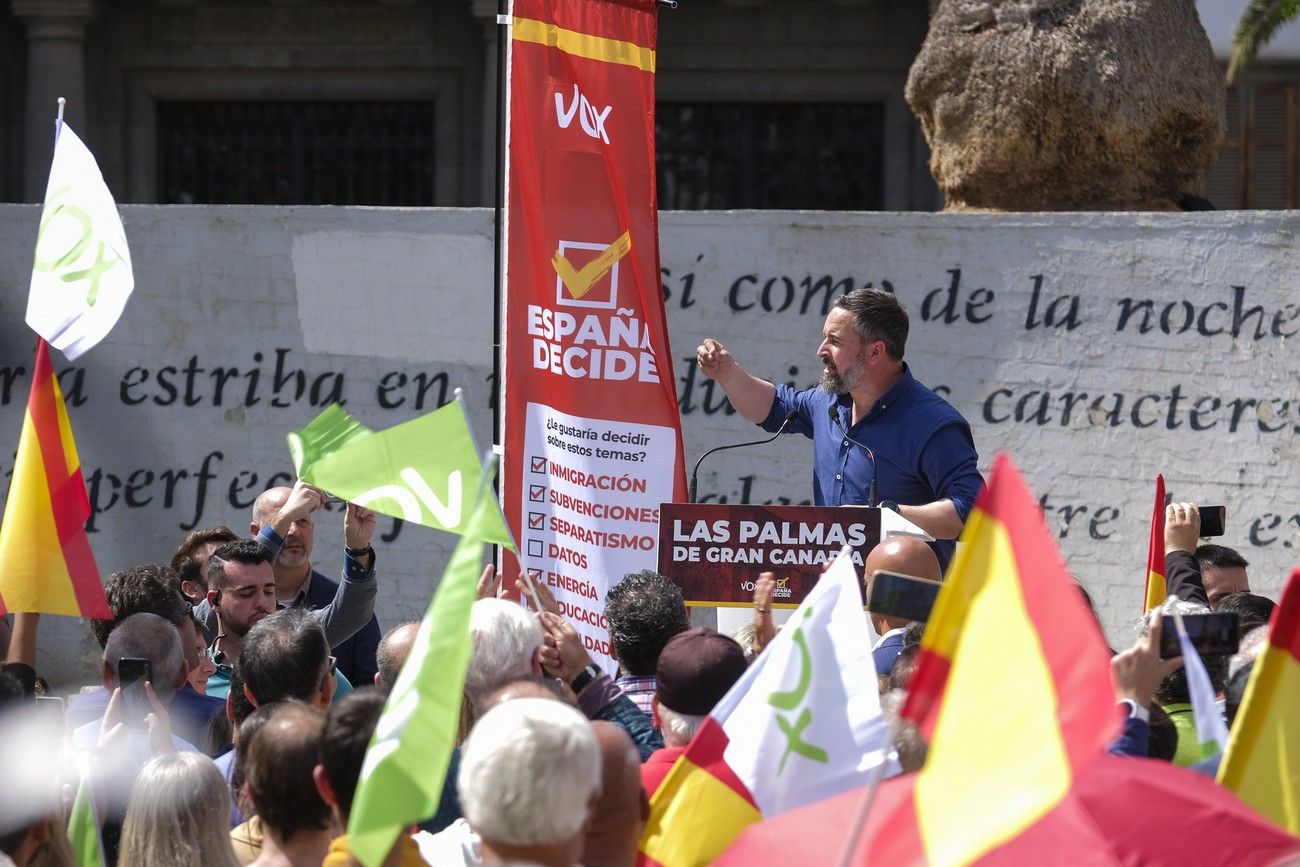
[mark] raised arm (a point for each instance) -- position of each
(752, 397)
(1182, 571)
(354, 603)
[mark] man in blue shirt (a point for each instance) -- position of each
(925, 460)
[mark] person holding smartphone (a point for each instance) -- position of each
(908, 556)
(1199, 573)
(142, 668)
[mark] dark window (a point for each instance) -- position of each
(296, 153)
(1258, 158)
(765, 155)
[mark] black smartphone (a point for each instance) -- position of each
(131, 676)
(1212, 519)
(1214, 634)
(903, 596)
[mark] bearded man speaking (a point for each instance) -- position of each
(924, 455)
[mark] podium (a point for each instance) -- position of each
(715, 551)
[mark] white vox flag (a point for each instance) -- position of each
(1211, 730)
(804, 721)
(81, 271)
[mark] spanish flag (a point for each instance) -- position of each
(46, 564)
(700, 808)
(1262, 762)
(1012, 687)
(1156, 586)
(802, 724)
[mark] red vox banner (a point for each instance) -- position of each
(592, 433)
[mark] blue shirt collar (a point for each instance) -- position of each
(885, 401)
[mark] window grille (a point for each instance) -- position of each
(770, 155)
(296, 153)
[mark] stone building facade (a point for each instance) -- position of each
(762, 103)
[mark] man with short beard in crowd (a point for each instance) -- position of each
(282, 523)
(241, 590)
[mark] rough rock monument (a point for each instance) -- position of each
(1051, 105)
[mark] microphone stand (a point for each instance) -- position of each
(872, 500)
(789, 417)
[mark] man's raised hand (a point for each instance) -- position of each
(489, 583)
(301, 502)
(1138, 671)
(1182, 526)
(764, 628)
(538, 592)
(713, 358)
(358, 526)
(569, 657)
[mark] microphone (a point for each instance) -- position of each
(789, 417)
(871, 491)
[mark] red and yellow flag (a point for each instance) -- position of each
(1012, 686)
(699, 808)
(1156, 586)
(46, 564)
(1262, 762)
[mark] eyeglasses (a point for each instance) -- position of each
(330, 670)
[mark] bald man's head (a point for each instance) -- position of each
(622, 808)
(905, 555)
(268, 503)
(299, 537)
(392, 652)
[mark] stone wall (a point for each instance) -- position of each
(1097, 349)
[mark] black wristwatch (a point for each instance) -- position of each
(889, 504)
(358, 553)
(584, 678)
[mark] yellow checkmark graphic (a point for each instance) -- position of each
(580, 280)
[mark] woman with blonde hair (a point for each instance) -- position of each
(179, 815)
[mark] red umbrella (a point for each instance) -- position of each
(1121, 810)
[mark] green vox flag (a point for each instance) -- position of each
(83, 828)
(406, 764)
(424, 471)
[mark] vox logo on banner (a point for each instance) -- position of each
(591, 118)
(585, 285)
(396, 472)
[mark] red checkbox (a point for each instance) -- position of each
(538, 465)
(536, 520)
(537, 493)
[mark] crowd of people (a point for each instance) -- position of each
(239, 687)
(245, 743)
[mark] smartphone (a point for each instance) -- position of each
(903, 596)
(131, 676)
(1212, 519)
(1214, 634)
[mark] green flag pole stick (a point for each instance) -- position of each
(406, 764)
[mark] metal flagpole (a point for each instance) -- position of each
(499, 262)
(869, 798)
